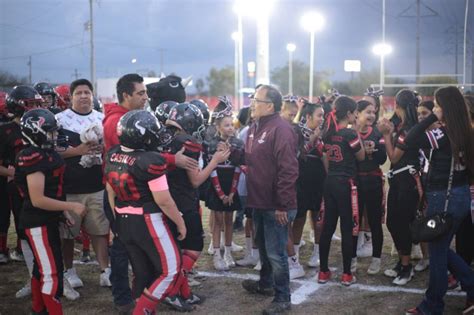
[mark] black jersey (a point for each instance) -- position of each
(311, 168)
(129, 174)
(340, 149)
(411, 155)
(181, 189)
(372, 162)
(11, 142)
(31, 160)
(440, 164)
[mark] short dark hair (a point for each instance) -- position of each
(78, 82)
(274, 95)
(126, 84)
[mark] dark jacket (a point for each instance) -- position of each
(270, 155)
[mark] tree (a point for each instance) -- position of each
(429, 91)
(10, 80)
(279, 76)
(221, 81)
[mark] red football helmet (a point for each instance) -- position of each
(64, 96)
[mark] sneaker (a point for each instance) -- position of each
(422, 264)
(413, 311)
(3, 258)
(193, 282)
(365, 250)
(210, 249)
(104, 278)
(258, 266)
(416, 252)
(73, 278)
(324, 276)
(374, 267)
(453, 283)
(296, 270)
(347, 279)
(24, 292)
(353, 264)
(86, 257)
(176, 302)
(68, 291)
(195, 299)
(229, 260)
(404, 276)
(219, 263)
(236, 248)
(393, 273)
(253, 286)
(277, 308)
(16, 255)
(313, 261)
(335, 238)
(248, 260)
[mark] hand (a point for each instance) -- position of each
(185, 162)
(231, 198)
(221, 156)
(281, 217)
(78, 209)
(222, 146)
(369, 147)
(385, 126)
(95, 148)
(181, 231)
(225, 200)
(300, 102)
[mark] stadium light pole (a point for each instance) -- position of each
(312, 22)
(382, 50)
(237, 38)
(291, 48)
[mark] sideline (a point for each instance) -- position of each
(308, 287)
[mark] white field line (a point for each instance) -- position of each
(308, 287)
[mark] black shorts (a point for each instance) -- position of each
(308, 200)
(194, 231)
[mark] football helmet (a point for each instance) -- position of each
(22, 99)
(139, 130)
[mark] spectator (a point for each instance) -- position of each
(270, 154)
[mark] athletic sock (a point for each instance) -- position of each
(53, 305)
(37, 304)
(146, 304)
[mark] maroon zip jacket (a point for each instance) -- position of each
(270, 155)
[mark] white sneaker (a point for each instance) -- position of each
(404, 276)
(236, 248)
(68, 291)
(15, 255)
(24, 292)
(210, 249)
(313, 261)
(365, 250)
(296, 270)
(73, 278)
(354, 265)
(335, 237)
(104, 278)
(416, 252)
(3, 258)
(219, 263)
(193, 282)
(374, 267)
(229, 260)
(258, 267)
(422, 264)
(248, 260)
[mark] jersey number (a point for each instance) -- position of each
(124, 186)
(333, 152)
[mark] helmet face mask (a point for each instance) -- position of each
(187, 117)
(23, 99)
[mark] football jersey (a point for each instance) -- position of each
(411, 155)
(181, 189)
(311, 167)
(340, 149)
(129, 174)
(378, 157)
(11, 142)
(31, 160)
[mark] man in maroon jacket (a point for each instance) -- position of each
(270, 154)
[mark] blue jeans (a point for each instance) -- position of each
(118, 263)
(271, 239)
(441, 255)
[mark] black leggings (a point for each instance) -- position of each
(11, 201)
(337, 201)
(401, 210)
(370, 194)
(464, 240)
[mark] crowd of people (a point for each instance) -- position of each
(131, 179)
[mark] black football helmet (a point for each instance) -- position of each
(139, 130)
(38, 128)
(204, 108)
(188, 118)
(223, 108)
(162, 111)
(45, 89)
(97, 104)
(22, 99)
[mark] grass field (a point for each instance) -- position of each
(224, 294)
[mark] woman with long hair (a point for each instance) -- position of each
(452, 162)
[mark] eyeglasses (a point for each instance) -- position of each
(256, 100)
